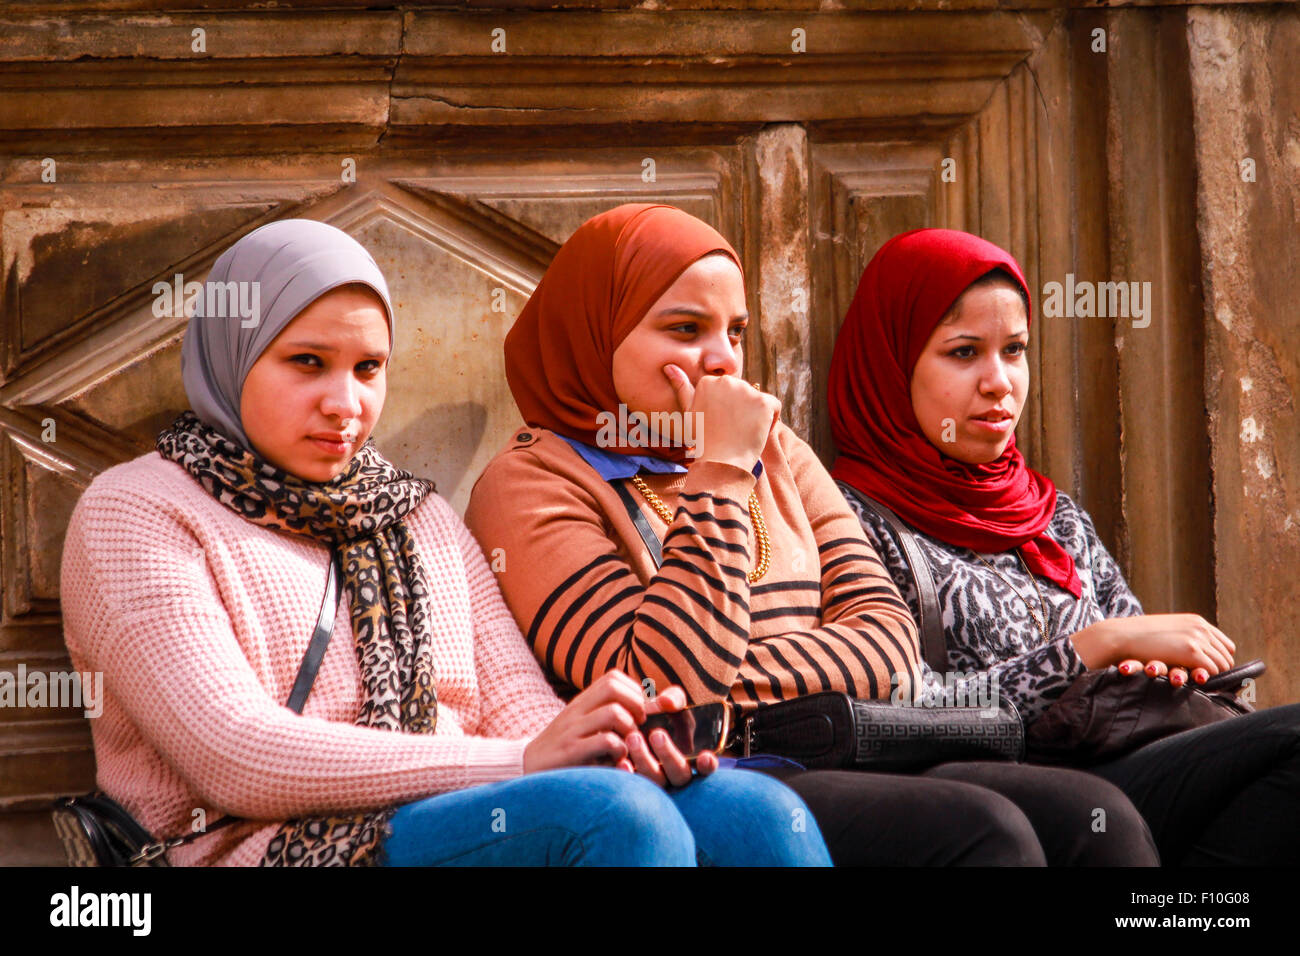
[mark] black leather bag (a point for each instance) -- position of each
(96, 830)
(833, 730)
(1105, 714)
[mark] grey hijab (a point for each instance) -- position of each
(255, 289)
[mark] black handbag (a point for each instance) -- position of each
(833, 730)
(96, 830)
(1105, 714)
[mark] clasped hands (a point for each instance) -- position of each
(600, 726)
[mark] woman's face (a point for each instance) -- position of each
(970, 383)
(313, 397)
(698, 325)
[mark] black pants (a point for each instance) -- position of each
(974, 814)
(1227, 794)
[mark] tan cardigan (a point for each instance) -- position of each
(583, 587)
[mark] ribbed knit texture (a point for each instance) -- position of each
(580, 581)
(198, 620)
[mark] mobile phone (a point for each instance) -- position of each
(693, 730)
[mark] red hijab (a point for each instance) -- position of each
(909, 285)
(602, 282)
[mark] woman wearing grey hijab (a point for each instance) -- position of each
(192, 577)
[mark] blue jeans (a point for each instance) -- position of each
(598, 816)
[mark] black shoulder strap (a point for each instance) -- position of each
(933, 644)
(320, 638)
(652, 542)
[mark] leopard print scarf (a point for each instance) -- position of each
(359, 513)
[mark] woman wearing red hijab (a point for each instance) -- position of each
(928, 380)
(768, 588)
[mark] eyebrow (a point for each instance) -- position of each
(317, 347)
(978, 338)
(698, 313)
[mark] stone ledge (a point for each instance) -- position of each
(352, 79)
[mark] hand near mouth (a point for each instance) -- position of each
(736, 419)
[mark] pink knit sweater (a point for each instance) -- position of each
(198, 620)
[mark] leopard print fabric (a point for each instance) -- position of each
(989, 629)
(360, 514)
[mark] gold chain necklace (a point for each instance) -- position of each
(1042, 605)
(755, 515)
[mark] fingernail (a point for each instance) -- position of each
(1126, 668)
(633, 741)
(1176, 679)
(1152, 670)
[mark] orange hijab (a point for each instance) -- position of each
(600, 285)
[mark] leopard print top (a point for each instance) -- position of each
(991, 633)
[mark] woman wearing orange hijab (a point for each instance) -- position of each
(625, 365)
(928, 380)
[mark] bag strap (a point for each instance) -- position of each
(933, 644)
(311, 661)
(652, 542)
(320, 638)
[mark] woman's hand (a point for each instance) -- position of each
(592, 728)
(735, 418)
(599, 726)
(665, 765)
(1186, 641)
(1177, 675)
